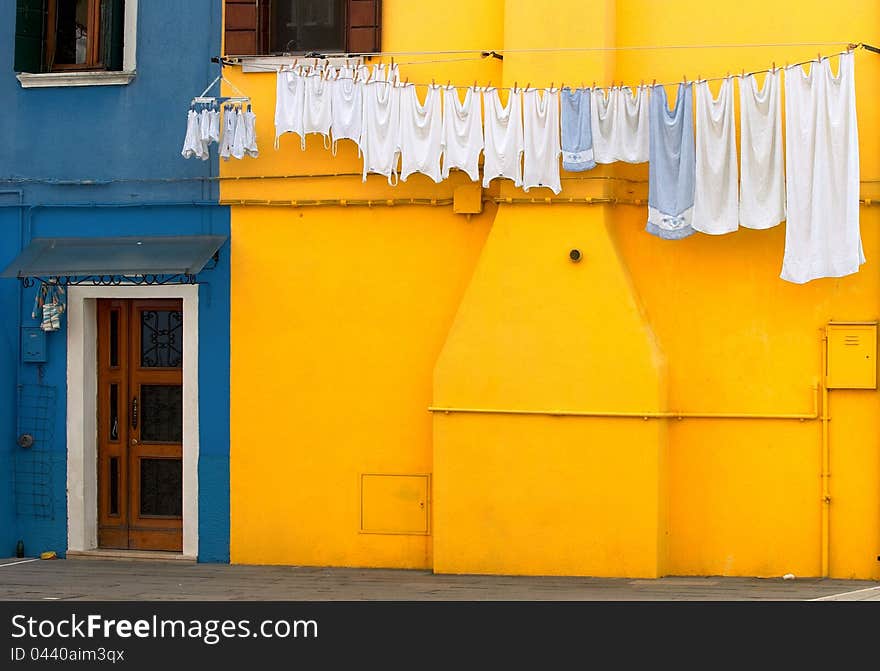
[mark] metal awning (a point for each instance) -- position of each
(126, 258)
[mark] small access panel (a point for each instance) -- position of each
(852, 355)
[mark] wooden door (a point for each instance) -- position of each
(140, 424)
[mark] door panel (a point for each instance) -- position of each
(149, 395)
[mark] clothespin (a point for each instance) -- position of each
(594, 83)
(528, 86)
(684, 79)
(654, 84)
(774, 68)
(819, 54)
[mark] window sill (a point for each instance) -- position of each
(50, 79)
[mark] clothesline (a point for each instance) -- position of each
(648, 47)
(773, 69)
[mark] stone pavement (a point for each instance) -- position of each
(101, 580)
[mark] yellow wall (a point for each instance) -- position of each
(348, 322)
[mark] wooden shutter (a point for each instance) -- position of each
(30, 32)
(247, 25)
(363, 26)
(112, 33)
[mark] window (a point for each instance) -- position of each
(69, 35)
(256, 27)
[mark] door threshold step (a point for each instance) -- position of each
(130, 555)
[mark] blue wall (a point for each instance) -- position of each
(128, 139)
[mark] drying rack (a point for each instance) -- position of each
(209, 100)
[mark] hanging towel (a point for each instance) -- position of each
(227, 138)
(290, 104)
(822, 237)
(716, 193)
(672, 172)
(503, 127)
(317, 106)
(380, 135)
(462, 132)
(192, 143)
(250, 137)
(421, 133)
(762, 180)
(347, 94)
(620, 124)
(577, 135)
(541, 140)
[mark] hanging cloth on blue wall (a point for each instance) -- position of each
(49, 306)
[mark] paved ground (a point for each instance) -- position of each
(101, 580)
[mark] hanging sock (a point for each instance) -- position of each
(672, 171)
(462, 132)
(215, 125)
(822, 236)
(541, 140)
(577, 134)
(250, 135)
(289, 104)
(227, 138)
(504, 142)
(238, 138)
(620, 124)
(317, 114)
(192, 144)
(762, 179)
(421, 133)
(205, 132)
(347, 106)
(380, 136)
(716, 192)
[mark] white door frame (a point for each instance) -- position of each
(82, 396)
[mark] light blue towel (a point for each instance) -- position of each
(672, 170)
(577, 134)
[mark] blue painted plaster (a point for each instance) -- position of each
(127, 139)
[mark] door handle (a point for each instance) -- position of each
(134, 412)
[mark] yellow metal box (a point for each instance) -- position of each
(468, 199)
(852, 356)
(394, 504)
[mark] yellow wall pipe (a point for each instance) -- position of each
(825, 472)
(445, 202)
(637, 415)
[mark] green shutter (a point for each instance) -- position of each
(112, 33)
(30, 32)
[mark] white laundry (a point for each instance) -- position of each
(421, 132)
(822, 236)
(620, 124)
(541, 146)
(290, 104)
(347, 106)
(762, 176)
(716, 187)
(205, 130)
(317, 106)
(227, 137)
(462, 132)
(238, 138)
(503, 128)
(250, 136)
(380, 133)
(192, 142)
(214, 131)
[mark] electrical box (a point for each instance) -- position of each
(852, 356)
(394, 504)
(33, 344)
(468, 199)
